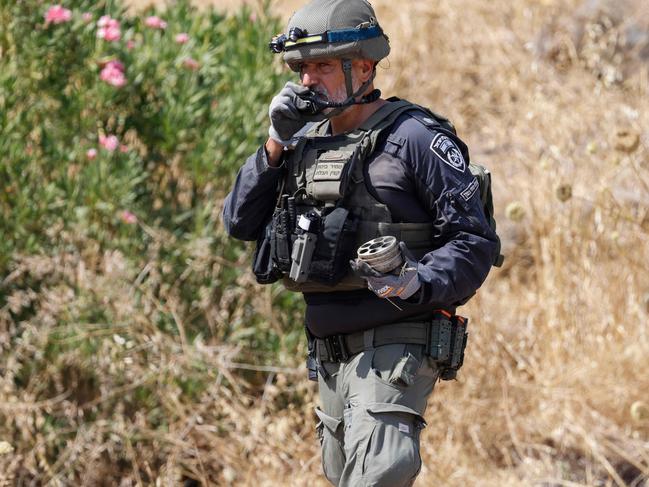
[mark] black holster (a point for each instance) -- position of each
(281, 231)
(447, 338)
(263, 263)
(272, 256)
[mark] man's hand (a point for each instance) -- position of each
(402, 285)
(285, 116)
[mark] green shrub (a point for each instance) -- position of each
(186, 117)
(118, 286)
(183, 116)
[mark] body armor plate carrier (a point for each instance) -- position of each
(324, 211)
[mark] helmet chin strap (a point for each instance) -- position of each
(351, 95)
(347, 70)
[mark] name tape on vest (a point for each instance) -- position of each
(328, 171)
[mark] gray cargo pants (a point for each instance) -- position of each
(372, 413)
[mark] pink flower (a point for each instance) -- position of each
(106, 20)
(113, 64)
(56, 14)
(109, 143)
(123, 148)
(191, 64)
(113, 74)
(108, 29)
(86, 17)
(155, 22)
(103, 21)
(253, 17)
(182, 38)
(110, 34)
(128, 217)
(91, 153)
(130, 44)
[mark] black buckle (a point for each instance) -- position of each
(336, 348)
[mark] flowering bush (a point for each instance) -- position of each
(118, 138)
(183, 95)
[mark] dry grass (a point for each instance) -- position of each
(560, 346)
(554, 388)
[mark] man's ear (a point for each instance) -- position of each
(365, 68)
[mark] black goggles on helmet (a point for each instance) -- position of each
(297, 37)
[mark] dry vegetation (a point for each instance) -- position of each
(554, 390)
(555, 387)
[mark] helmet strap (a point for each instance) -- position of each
(351, 95)
(347, 70)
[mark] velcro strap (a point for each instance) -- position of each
(336, 36)
(338, 348)
(352, 35)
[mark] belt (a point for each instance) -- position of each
(339, 348)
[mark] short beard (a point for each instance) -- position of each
(340, 95)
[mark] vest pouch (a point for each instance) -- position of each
(325, 182)
(263, 265)
(335, 247)
(281, 239)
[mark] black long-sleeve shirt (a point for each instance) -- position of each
(420, 174)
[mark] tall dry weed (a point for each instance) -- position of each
(554, 388)
(559, 343)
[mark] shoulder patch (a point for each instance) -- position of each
(444, 148)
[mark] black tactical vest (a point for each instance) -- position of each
(324, 211)
(326, 179)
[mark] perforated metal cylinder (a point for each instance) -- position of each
(381, 254)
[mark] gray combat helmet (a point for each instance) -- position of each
(343, 29)
(334, 28)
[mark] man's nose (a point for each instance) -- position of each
(308, 79)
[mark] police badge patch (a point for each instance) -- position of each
(447, 151)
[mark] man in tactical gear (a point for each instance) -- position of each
(343, 166)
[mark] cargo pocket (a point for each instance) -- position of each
(405, 370)
(396, 365)
(330, 434)
(392, 456)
